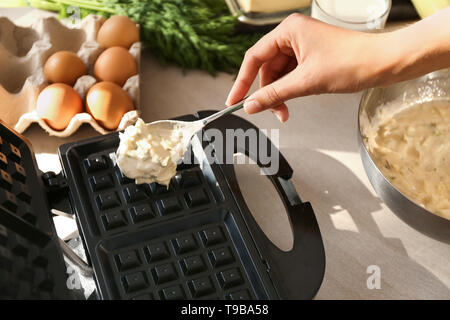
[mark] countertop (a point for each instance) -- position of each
(320, 143)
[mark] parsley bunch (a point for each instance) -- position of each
(194, 34)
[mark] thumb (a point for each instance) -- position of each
(273, 94)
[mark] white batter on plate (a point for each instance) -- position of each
(151, 153)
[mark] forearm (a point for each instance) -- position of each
(416, 50)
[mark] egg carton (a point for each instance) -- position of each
(23, 53)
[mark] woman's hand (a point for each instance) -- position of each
(304, 56)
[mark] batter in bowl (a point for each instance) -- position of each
(412, 149)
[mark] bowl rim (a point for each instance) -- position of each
(372, 162)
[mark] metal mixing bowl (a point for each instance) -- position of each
(430, 87)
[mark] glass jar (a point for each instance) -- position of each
(361, 15)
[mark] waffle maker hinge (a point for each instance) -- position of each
(58, 196)
(57, 191)
(298, 273)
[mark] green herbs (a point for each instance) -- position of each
(365, 138)
(39, 4)
(194, 34)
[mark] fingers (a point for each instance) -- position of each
(274, 57)
(281, 112)
(292, 64)
(264, 50)
(273, 69)
(273, 94)
(269, 72)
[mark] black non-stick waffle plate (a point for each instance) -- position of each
(31, 262)
(195, 240)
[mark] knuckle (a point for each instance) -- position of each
(250, 53)
(272, 95)
(244, 82)
(294, 23)
(294, 18)
(251, 57)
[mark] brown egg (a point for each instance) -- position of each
(115, 64)
(64, 67)
(107, 103)
(118, 31)
(57, 104)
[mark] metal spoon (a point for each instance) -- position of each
(166, 141)
(189, 128)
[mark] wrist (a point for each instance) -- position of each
(376, 59)
(404, 55)
(391, 58)
(415, 50)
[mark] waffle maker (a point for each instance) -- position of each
(195, 240)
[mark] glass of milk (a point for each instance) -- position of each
(361, 15)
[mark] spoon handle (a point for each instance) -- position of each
(223, 112)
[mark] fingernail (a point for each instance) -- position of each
(278, 117)
(228, 100)
(252, 106)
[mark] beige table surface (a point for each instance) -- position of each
(320, 143)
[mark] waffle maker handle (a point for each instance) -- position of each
(298, 273)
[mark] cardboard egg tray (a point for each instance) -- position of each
(23, 53)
